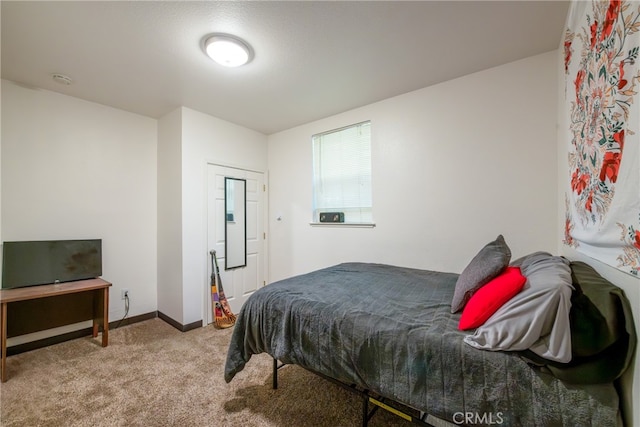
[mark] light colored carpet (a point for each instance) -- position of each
(154, 375)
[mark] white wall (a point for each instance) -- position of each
(1, 239)
(73, 169)
(170, 215)
(206, 139)
(454, 165)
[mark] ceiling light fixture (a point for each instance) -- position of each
(227, 50)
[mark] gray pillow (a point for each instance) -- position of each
(537, 318)
(485, 266)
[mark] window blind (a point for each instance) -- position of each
(342, 173)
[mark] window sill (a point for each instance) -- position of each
(344, 224)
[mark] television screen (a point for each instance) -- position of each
(31, 263)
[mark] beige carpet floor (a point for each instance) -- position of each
(154, 375)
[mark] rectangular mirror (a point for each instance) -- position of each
(235, 240)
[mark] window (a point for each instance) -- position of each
(342, 173)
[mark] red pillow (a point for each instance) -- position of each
(489, 298)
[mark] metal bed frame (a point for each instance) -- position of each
(367, 397)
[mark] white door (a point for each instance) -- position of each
(239, 283)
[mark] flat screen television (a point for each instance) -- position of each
(30, 263)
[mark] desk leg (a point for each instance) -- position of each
(105, 317)
(97, 306)
(3, 340)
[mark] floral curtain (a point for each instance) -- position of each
(601, 47)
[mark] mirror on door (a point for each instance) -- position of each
(235, 241)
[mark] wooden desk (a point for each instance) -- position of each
(100, 306)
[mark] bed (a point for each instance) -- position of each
(389, 332)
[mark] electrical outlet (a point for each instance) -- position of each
(124, 294)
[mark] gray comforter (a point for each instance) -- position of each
(390, 330)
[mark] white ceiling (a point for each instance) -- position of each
(312, 59)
